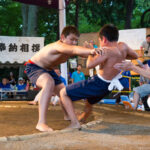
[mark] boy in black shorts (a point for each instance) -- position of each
(98, 86)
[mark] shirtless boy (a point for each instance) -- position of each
(96, 88)
(40, 67)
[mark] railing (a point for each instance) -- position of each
(15, 95)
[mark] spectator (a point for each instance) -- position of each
(126, 80)
(145, 46)
(126, 83)
(78, 75)
(21, 84)
(59, 74)
(93, 43)
(55, 99)
(12, 79)
(144, 80)
(69, 77)
(143, 90)
(5, 86)
(21, 87)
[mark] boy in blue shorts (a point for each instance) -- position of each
(95, 88)
(40, 67)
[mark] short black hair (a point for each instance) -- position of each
(70, 29)
(110, 32)
(145, 62)
(79, 65)
(147, 35)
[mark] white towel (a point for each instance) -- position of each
(115, 83)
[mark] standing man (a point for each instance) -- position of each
(144, 80)
(100, 85)
(144, 88)
(40, 69)
(126, 65)
(145, 46)
(78, 75)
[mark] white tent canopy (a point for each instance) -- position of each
(19, 49)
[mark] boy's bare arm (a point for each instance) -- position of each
(95, 60)
(126, 65)
(131, 54)
(73, 50)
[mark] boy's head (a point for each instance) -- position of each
(57, 70)
(4, 81)
(70, 35)
(145, 64)
(79, 67)
(109, 32)
(20, 80)
(148, 38)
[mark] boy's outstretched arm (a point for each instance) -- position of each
(131, 54)
(126, 65)
(73, 50)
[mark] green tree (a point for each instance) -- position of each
(93, 15)
(48, 25)
(10, 18)
(88, 17)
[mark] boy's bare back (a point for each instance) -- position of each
(114, 54)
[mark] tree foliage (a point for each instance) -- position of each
(10, 18)
(91, 16)
(48, 24)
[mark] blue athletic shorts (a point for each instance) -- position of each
(33, 72)
(93, 89)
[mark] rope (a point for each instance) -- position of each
(122, 91)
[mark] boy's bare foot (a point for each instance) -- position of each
(81, 118)
(32, 103)
(43, 128)
(74, 126)
(66, 118)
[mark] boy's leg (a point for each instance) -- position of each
(87, 111)
(46, 83)
(35, 101)
(136, 98)
(67, 103)
(57, 92)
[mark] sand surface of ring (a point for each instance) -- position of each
(119, 129)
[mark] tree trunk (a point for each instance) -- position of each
(77, 13)
(24, 19)
(29, 16)
(32, 21)
(129, 11)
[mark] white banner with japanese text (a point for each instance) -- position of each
(19, 49)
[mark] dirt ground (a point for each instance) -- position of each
(119, 129)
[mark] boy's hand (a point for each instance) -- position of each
(87, 45)
(125, 65)
(93, 52)
(98, 51)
